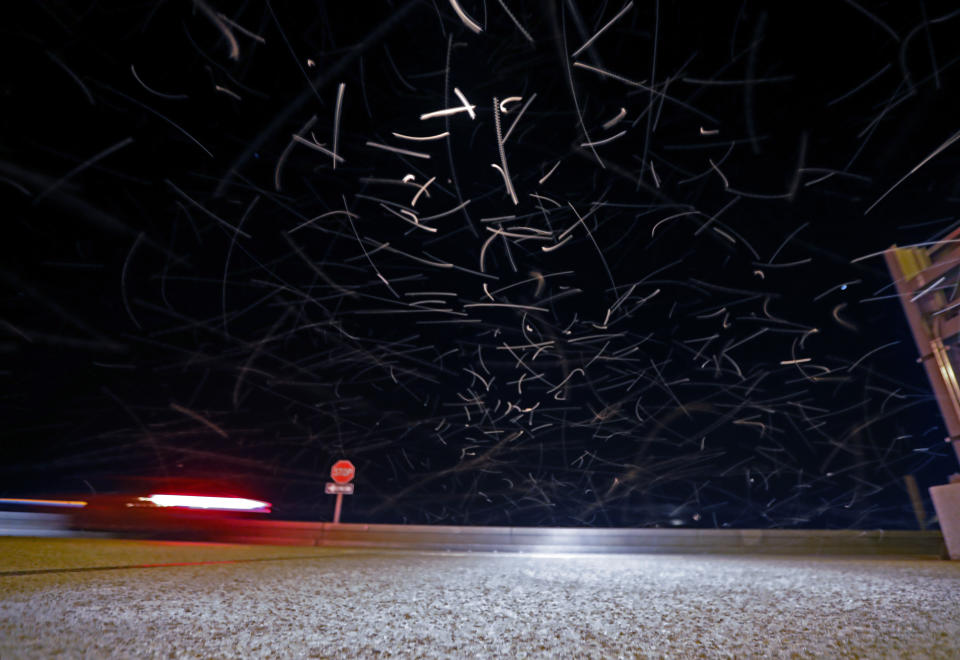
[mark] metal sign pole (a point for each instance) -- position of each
(917, 273)
(336, 509)
(927, 337)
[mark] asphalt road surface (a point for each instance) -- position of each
(92, 598)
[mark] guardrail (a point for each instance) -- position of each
(577, 540)
(495, 539)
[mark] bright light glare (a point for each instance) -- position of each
(68, 503)
(205, 502)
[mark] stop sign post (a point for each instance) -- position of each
(342, 474)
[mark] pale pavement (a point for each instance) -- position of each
(347, 604)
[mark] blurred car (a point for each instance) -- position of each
(167, 508)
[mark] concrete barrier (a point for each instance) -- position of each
(946, 501)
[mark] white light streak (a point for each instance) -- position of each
(466, 104)
(210, 503)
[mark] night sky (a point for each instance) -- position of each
(619, 282)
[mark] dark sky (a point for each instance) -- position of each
(623, 289)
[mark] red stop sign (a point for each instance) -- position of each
(342, 472)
